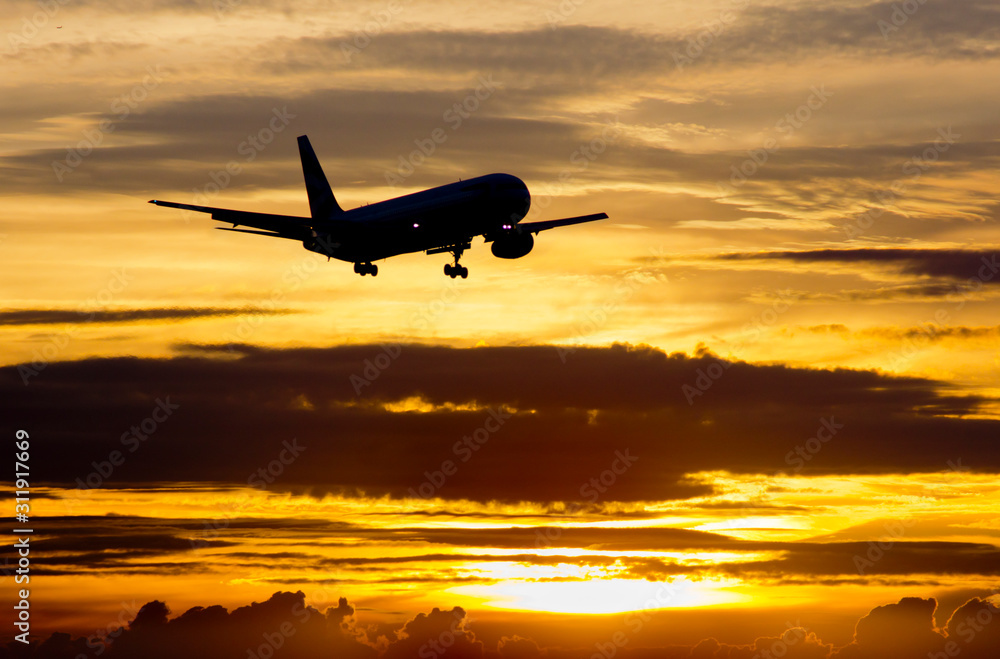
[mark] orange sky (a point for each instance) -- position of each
(790, 317)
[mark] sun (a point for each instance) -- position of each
(603, 596)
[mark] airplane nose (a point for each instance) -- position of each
(524, 199)
(518, 200)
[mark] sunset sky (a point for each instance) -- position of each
(758, 402)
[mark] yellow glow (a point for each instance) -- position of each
(603, 595)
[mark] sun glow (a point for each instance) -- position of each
(602, 596)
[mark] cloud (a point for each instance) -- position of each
(284, 626)
(150, 545)
(897, 631)
(100, 316)
(584, 53)
(970, 265)
(973, 628)
(927, 333)
(481, 424)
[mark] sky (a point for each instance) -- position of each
(754, 413)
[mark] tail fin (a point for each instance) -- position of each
(322, 203)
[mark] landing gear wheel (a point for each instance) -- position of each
(366, 269)
(454, 269)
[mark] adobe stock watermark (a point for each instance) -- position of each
(422, 319)
(913, 169)
(288, 454)
(121, 107)
(786, 127)
(895, 529)
(454, 117)
(970, 627)
(752, 332)
(103, 638)
(580, 159)
(877, 549)
(808, 450)
(364, 35)
(591, 490)
(901, 13)
(437, 647)
(30, 26)
(223, 7)
(291, 279)
(926, 333)
(598, 317)
(249, 148)
(276, 639)
(56, 344)
(562, 13)
(598, 485)
(792, 636)
(698, 43)
(132, 439)
(464, 450)
(259, 479)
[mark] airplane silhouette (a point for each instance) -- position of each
(435, 221)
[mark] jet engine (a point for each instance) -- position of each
(512, 245)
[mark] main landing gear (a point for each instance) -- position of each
(366, 269)
(456, 270)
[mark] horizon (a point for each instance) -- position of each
(759, 401)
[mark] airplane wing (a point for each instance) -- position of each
(279, 226)
(535, 227)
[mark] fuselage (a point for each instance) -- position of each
(443, 216)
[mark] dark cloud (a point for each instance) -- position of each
(930, 332)
(510, 423)
(283, 625)
(896, 631)
(890, 557)
(100, 316)
(359, 135)
(583, 54)
(973, 629)
(286, 628)
(957, 264)
(130, 545)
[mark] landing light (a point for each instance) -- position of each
(416, 226)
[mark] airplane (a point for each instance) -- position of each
(435, 221)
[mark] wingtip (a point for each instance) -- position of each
(152, 201)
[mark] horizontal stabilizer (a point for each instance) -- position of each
(259, 233)
(286, 226)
